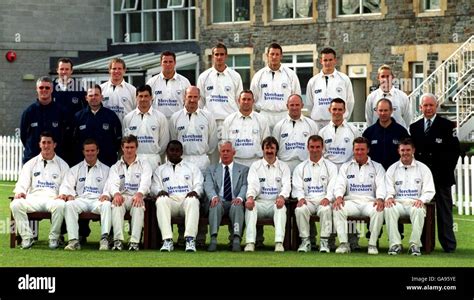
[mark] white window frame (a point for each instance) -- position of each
(272, 3)
(339, 2)
(295, 65)
(417, 76)
(233, 17)
(235, 68)
(122, 7)
(175, 4)
(127, 12)
(424, 4)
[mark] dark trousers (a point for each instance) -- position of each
(444, 215)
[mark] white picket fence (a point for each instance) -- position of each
(11, 155)
(464, 188)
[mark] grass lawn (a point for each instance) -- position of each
(41, 256)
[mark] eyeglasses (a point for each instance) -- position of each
(44, 87)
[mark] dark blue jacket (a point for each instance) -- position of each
(38, 118)
(104, 127)
(384, 142)
(439, 149)
(73, 99)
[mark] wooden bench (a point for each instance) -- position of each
(429, 233)
(38, 216)
(155, 234)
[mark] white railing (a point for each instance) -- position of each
(462, 191)
(445, 80)
(11, 155)
(464, 103)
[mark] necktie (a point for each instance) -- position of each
(294, 122)
(113, 87)
(189, 115)
(227, 185)
(428, 126)
(45, 162)
(174, 166)
(88, 168)
(327, 79)
(273, 75)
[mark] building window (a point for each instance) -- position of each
(430, 5)
(302, 64)
(241, 64)
(292, 9)
(228, 11)
(357, 7)
(417, 74)
(137, 21)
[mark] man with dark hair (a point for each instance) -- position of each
(219, 87)
(409, 186)
(272, 85)
(82, 189)
(67, 91)
(269, 185)
(37, 191)
(438, 147)
(313, 186)
(149, 126)
(359, 191)
(327, 85)
(338, 135)
(168, 86)
(99, 123)
(246, 129)
(128, 183)
(43, 115)
(177, 185)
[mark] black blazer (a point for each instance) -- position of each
(439, 150)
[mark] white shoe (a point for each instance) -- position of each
(343, 248)
(167, 245)
(73, 245)
(53, 244)
(372, 250)
(324, 245)
(305, 246)
(27, 243)
(250, 247)
(190, 245)
(104, 244)
(279, 247)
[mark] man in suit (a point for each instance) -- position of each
(438, 147)
(225, 185)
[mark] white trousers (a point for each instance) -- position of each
(304, 212)
(358, 208)
(265, 209)
(75, 207)
(168, 207)
(137, 215)
(404, 208)
(37, 203)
